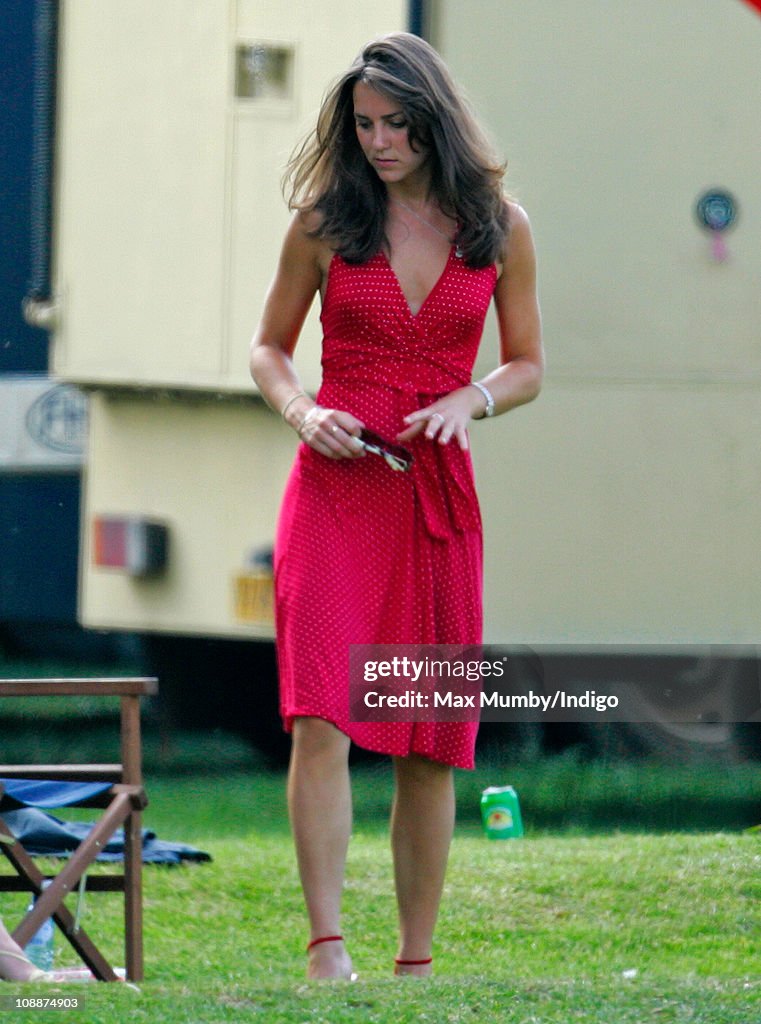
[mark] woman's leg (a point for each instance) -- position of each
(319, 803)
(422, 821)
(13, 963)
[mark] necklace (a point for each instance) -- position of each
(442, 234)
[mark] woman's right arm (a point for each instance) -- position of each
(297, 280)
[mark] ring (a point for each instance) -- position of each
(435, 414)
(334, 429)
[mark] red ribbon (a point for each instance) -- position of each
(755, 4)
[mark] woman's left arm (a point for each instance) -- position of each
(518, 378)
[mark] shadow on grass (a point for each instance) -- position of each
(93, 736)
(568, 793)
(563, 793)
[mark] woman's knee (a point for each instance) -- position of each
(417, 770)
(315, 737)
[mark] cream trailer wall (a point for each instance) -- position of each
(623, 505)
(175, 122)
(620, 507)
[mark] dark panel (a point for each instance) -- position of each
(22, 348)
(39, 531)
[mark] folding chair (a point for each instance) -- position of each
(122, 797)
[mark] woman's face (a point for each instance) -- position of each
(383, 135)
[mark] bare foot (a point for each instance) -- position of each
(14, 966)
(329, 960)
(424, 969)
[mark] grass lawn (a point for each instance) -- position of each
(634, 897)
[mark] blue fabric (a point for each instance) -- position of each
(42, 835)
(36, 793)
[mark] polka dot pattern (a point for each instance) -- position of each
(366, 555)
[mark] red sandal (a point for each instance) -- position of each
(331, 938)
(410, 963)
(325, 938)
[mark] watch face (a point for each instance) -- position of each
(716, 210)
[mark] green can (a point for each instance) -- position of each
(501, 813)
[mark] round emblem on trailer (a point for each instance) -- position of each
(58, 420)
(716, 210)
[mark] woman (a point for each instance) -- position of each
(403, 229)
(14, 965)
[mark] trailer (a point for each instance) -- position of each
(620, 508)
(42, 420)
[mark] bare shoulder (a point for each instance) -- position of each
(520, 241)
(518, 250)
(518, 216)
(303, 244)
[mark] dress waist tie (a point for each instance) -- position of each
(442, 477)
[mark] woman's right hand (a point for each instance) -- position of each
(332, 432)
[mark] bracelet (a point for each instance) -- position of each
(307, 417)
(292, 399)
(489, 410)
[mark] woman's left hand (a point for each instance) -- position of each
(445, 418)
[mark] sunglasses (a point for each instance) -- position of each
(395, 456)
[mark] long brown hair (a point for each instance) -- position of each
(329, 173)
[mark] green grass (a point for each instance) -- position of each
(633, 898)
(533, 931)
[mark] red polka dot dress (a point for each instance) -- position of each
(366, 555)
